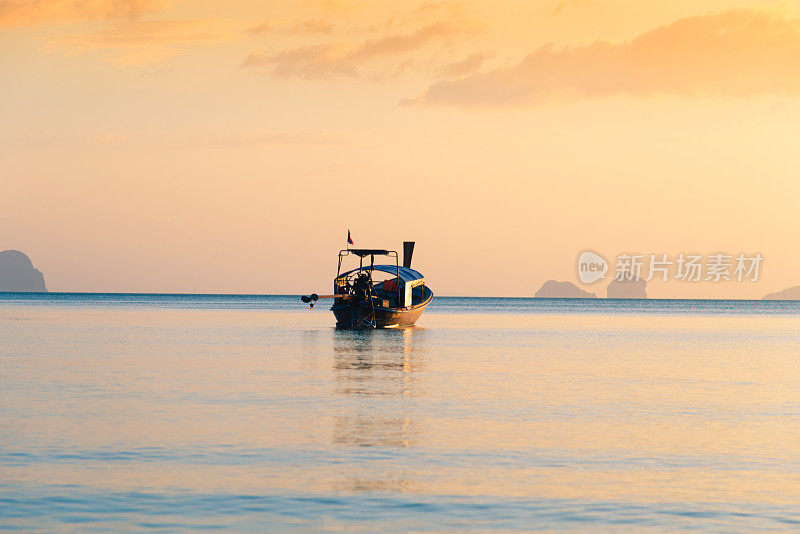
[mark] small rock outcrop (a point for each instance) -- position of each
(791, 293)
(627, 289)
(17, 273)
(562, 290)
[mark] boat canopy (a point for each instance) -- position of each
(361, 252)
(407, 274)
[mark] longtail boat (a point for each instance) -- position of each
(377, 296)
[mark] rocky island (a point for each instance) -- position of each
(562, 290)
(17, 273)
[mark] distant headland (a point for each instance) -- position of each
(562, 290)
(627, 289)
(617, 289)
(17, 273)
(791, 293)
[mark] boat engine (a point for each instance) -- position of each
(361, 288)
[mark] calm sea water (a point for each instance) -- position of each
(251, 413)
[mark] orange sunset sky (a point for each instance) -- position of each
(208, 146)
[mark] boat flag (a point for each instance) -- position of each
(349, 239)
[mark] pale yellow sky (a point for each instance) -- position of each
(210, 146)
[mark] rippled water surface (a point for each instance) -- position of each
(169, 413)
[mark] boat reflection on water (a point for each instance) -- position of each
(375, 374)
(377, 363)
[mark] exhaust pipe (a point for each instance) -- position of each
(408, 251)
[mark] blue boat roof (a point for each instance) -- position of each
(407, 274)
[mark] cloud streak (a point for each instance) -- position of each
(310, 62)
(344, 59)
(110, 139)
(259, 137)
(293, 26)
(466, 66)
(736, 53)
(138, 43)
(29, 12)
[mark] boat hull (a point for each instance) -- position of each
(384, 317)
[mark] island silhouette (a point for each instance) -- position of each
(790, 293)
(17, 273)
(627, 289)
(562, 290)
(617, 289)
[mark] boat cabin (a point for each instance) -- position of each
(391, 286)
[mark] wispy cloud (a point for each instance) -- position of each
(336, 6)
(27, 12)
(110, 139)
(269, 137)
(246, 138)
(395, 44)
(317, 61)
(137, 43)
(345, 59)
(562, 6)
(293, 26)
(735, 53)
(466, 66)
